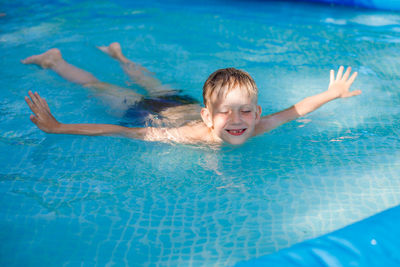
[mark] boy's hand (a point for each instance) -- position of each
(341, 84)
(42, 118)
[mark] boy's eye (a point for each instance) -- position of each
(246, 111)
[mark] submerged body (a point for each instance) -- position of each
(231, 114)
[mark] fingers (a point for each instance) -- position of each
(343, 77)
(340, 73)
(342, 82)
(352, 78)
(28, 101)
(332, 76)
(36, 103)
(31, 105)
(353, 93)
(41, 100)
(34, 119)
(36, 99)
(46, 105)
(346, 74)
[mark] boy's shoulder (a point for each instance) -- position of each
(190, 133)
(196, 131)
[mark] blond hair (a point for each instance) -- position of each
(223, 81)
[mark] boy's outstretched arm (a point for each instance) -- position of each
(45, 121)
(338, 88)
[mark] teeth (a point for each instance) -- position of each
(236, 131)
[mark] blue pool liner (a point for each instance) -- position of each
(375, 4)
(374, 241)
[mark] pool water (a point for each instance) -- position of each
(95, 201)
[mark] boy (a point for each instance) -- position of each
(231, 114)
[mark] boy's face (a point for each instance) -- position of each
(232, 118)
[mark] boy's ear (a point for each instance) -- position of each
(258, 113)
(206, 116)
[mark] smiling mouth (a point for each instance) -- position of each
(236, 132)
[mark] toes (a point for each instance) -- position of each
(103, 48)
(28, 60)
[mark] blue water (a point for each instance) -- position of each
(84, 201)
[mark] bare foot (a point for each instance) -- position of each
(46, 60)
(114, 51)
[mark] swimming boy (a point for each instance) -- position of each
(230, 115)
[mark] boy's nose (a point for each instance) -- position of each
(235, 117)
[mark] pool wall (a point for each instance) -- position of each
(370, 242)
(376, 4)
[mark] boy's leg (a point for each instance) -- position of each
(53, 60)
(136, 72)
(175, 116)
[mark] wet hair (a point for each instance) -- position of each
(223, 81)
